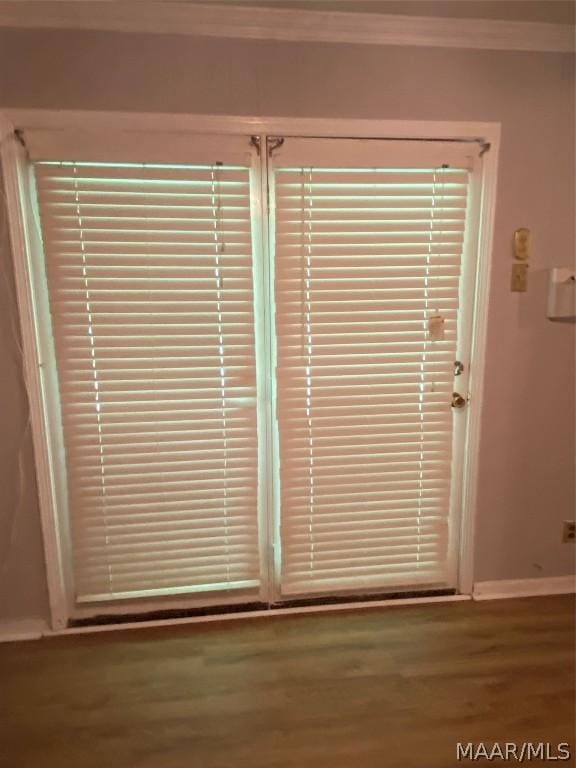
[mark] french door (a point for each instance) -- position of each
(257, 345)
(370, 320)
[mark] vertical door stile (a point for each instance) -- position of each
(263, 225)
(269, 217)
(464, 374)
(260, 269)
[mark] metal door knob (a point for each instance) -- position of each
(457, 400)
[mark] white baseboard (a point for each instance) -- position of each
(263, 614)
(23, 629)
(496, 590)
(34, 629)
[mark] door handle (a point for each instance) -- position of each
(457, 400)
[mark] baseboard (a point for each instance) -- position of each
(262, 614)
(23, 629)
(496, 590)
(34, 629)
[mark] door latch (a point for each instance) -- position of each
(458, 368)
(457, 400)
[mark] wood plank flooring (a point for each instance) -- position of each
(382, 688)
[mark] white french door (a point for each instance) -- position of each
(370, 321)
(150, 274)
(256, 349)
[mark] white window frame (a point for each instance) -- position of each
(27, 255)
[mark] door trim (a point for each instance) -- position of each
(476, 386)
(14, 162)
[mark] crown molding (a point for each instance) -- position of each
(168, 17)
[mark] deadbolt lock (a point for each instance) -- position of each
(457, 400)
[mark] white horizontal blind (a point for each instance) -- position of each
(149, 271)
(365, 256)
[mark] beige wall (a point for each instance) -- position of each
(527, 449)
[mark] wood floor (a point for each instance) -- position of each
(384, 688)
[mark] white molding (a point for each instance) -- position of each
(212, 20)
(14, 163)
(95, 121)
(265, 613)
(478, 362)
(23, 629)
(34, 629)
(496, 590)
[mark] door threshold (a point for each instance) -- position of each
(257, 611)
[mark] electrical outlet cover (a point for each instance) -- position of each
(569, 531)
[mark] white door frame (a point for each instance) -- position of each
(14, 166)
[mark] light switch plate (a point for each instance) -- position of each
(522, 243)
(519, 283)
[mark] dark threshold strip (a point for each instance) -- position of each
(222, 610)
